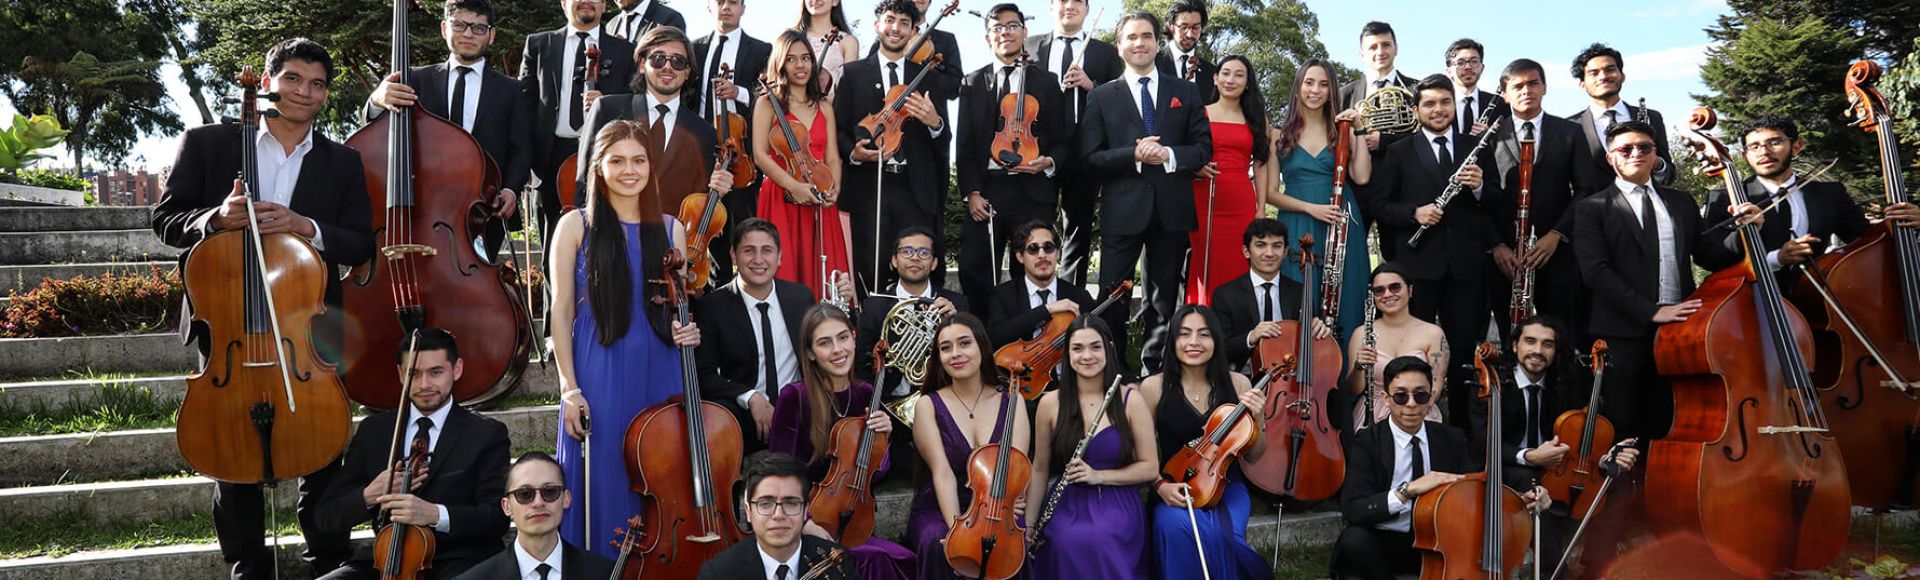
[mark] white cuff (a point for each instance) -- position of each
(1394, 505)
(1521, 457)
(1773, 260)
(747, 397)
(318, 243)
(1171, 163)
(446, 524)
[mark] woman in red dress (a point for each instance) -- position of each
(811, 241)
(1223, 191)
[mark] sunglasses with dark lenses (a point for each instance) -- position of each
(1634, 149)
(548, 494)
(1393, 288)
(1419, 397)
(658, 60)
(1042, 248)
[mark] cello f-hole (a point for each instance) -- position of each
(226, 378)
(293, 362)
(1741, 418)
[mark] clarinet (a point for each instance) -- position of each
(1367, 369)
(1644, 116)
(1060, 485)
(1453, 182)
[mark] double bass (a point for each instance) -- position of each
(264, 407)
(1474, 527)
(427, 272)
(685, 472)
(1749, 464)
(1306, 461)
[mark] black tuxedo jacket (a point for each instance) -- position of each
(1597, 143)
(862, 91)
(729, 353)
(631, 26)
(466, 473)
(678, 171)
(1370, 460)
(1409, 177)
(1100, 60)
(331, 190)
(980, 118)
(1830, 212)
(1109, 128)
(1561, 392)
(1202, 76)
(1480, 100)
(1561, 174)
(741, 561)
(749, 62)
(873, 315)
(541, 62)
(575, 564)
(945, 83)
(1010, 319)
(1239, 311)
(1621, 263)
(500, 125)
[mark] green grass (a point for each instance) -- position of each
(1299, 561)
(69, 532)
(112, 407)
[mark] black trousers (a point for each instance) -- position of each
(441, 569)
(901, 210)
(545, 169)
(1165, 272)
(1458, 304)
(978, 254)
(1634, 396)
(1370, 553)
(1079, 193)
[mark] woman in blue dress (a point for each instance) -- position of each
(1193, 383)
(1305, 147)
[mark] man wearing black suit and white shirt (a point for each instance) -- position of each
(553, 83)
(776, 506)
(685, 141)
(636, 17)
(1379, 47)
(486, 103)
(1146, 136)
(455, 493)
(749, 328)
(1601, 71)
(536, 497)
(310, 186)
(909, 190)
(1186, 23)
(1081, 62)
(945, 83)
(747, 57)
(1007, 195)
(1466, 60)
(1020, 307)
(1388, 466)
(1251, 306)
(915, 256)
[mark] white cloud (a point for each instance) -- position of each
(1676, 10)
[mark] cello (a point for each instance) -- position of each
(1474, 527)
(1871, 390)
(427, 272)
(988, 542)
(732, 131)
(264, 407)
(1308, 464)
(1749, 464)
(684, 474)
(1579, 470)
(1014, 144)
(842, 502)
(1030, 362)
(404, 551)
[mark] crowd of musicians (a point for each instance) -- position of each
(821, 293)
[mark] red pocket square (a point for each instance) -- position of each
(1175, 104)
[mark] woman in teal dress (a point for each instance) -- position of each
(1305, 147)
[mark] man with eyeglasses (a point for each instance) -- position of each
(909, 190)
(1388, 466)
(674, 128)
(915, 256)
(1020, 307)
(536, 497)
(775, 502)
(484, 102)
(1007, 192)
(455, 492)
(553, 67)
(1186, 24)
(1466, 59)
(1602, 71)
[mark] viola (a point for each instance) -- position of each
(732, 131)
(685, 475)
(1750, 464)
(820, 61)
(883, 127)
(265, 407)
(1308, 462)
(1868, 361)
(628, 534)
(704, 217)
(1029, 363)
(842, 502)
(921, 48)
(793, 150)
(1578, 470)
(427, 273)
(988, 542)
(1474, 527)
(565, 184)
(1014, 144)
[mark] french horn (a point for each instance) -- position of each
(908, 333)
(1388, 110)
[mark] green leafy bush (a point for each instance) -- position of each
(51, 179)
(113, 303)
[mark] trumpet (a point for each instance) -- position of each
(1388, 110)
(908, 333)
(1453, 183)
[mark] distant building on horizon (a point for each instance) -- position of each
(120, 187)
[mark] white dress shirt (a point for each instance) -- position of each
(562, 124)
(1180, 61)
(1153, 92)
(630, 20)
(1520, 380)
(1461, 94)
(1392, 76)
(771, 565)
(1663, 221)
(1261, 292)
(1598, 116)
(1079, 47)
(1033, 292)
(279, 172)
(1795, 201)
(528, 563)
(439, 418)
(730, 55)
(784, 361)
(1403, 473)
(1539, 127)
(469, 108)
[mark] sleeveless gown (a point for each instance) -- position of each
(878, 558)
(1233, 199)
(1309, 178)
(926, 526)
(800, 238)
(618, 381)
(831, 58)
(1097, 531)
(1380, 394)
(1223, 527)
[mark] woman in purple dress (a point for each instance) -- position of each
(1097, 526)
(804, 417)
(956, 383)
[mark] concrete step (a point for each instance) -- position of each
(55, 459)
(82, 246)
(133, 353)
(85, 393)
(24, 277)
(56, 219)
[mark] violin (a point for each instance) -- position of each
(564, 182)
(1014, 144)
(264, 407)
(1750, 464)
(820, 60)
(732, 131)
(793, 150)
(825, 565)
(434, 182)
(628, 534)
(1578, 471)
(921, 48)
(1309, 463)
(1474, 527)
(1029, 363)
(704, 216)
(1202, 463)
(1856, 299)
(842, 502)
(405, 551)
(988, 542)
(883, 127)
(684, 474)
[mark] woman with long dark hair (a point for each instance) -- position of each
(1194, 382)
(1098, 527)
(1305, 150)
(818, 18)
(1225, 191)
(809, 224)
(961, 411)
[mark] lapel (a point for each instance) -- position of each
(1424, 145)
(1648, 242)
(1383, 443)
(314, 167)
(1777, 228)
(1506, 148)
(557, 54)
(1586, 127)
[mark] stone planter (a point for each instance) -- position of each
(10, 191)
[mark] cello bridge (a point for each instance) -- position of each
(1772, 430)
(399, 251)
(706, 538)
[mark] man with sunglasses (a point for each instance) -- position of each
(915, 256)
(553, 85)
(535, 499)
(1020, 307)
(454, 494)
(775, 502)
(674, 128)
(1388, 466)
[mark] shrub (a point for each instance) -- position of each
(114, 303)
(51, 179)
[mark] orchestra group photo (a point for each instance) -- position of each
(809, 298)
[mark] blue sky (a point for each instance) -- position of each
(1662, 41)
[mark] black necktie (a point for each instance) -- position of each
(1526, 131)
(421, 440)
(1646, 211)
(781, 572)
(713, 68)
(459, 105)
(1006, 80)
(1419, 459)
(659, 125)
(1066, 56)
(1043, 304)
(1613, 118)
(767, 367)
(1442, 153)
(1533, 416)
(544, 569)
(1382, 83)
(1786, 211)
(1266, 299)
(576, 113)
(1466, 113)
(893, 75)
